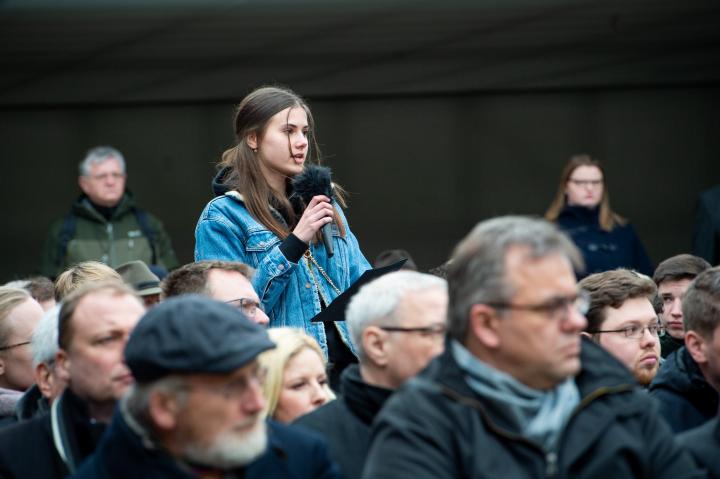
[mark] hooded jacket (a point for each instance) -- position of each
(685, 397)
(436, 426)
(288, 289)
(603, 250)
(113, 242)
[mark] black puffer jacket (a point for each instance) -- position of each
(436, 426)
(686, 399)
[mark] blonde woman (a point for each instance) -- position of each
(296, 381)
(581, 208)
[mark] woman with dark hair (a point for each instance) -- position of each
(256, 219)
(581, 208)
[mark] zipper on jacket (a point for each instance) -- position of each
(111, 245)
(551, 467)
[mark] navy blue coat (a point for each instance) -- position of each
(291, 453)
(704, 444)
(686, 399)
(603, 250)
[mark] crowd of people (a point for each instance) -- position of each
(542, 347)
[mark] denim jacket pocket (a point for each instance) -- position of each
(260, 241)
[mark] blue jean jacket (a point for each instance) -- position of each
(226, 231)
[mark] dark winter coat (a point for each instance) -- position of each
(345, 422)
(435, 426)
(669, 345)
(291, 453)
(704, 444)
(686, 399)
(113, 242)
(29, 449)
(603, 250)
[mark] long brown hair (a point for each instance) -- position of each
(252, 116)
(608, 218)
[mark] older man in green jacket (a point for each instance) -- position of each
(104, 224)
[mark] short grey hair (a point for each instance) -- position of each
(377, 301)
(477, 271)
(98, 155)
(44, 342)
(136, 403)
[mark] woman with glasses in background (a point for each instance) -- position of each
(581, 208)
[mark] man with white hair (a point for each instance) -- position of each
(104, 224)
(397, 324)
(48, 385)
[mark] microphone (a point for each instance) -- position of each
(313, 181)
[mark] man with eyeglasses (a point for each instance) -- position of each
(397, 323)
(226, 281)
(105, 224)
(199, 414)
(94, 324)
(621, 318)
(518, 391)
(688, 383)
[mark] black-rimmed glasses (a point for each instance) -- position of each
(555, 308)
(433, 330)
(247, 305)
(10, 346)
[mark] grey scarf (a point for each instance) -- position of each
(537, 415)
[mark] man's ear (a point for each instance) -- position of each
(2, 366)
(483, 325)
(695, 345)
(252, 141)
(163, 409)
(62, 365)
(375, 346)
(83, 183)
(43, 379)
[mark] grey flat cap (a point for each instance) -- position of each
(193, 334)
(137, 275)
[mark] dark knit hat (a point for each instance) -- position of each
(193, 334)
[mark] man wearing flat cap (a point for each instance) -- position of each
(196, 408)
(139, 277)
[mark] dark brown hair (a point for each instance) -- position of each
(681, 266)
(701, 303)
(252, 116)
(608, 218)
(192, 277)
(612, 289)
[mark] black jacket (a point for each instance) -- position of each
(30, 450)
(704, 444)
(435, 426)
(686, 399)
(603, 250)
(345, 422)
(291, 453)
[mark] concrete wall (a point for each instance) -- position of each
(422, 171)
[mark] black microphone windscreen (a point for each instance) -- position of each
(314, 180)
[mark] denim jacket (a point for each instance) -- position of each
(227, 231)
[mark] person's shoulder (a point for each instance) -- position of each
(25, 434)
(283, 435)
(324, 416)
